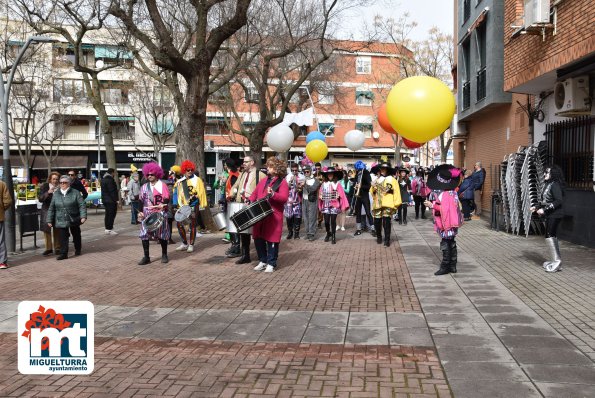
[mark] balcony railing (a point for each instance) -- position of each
(466, 10)
(481, 84)
(466, 95)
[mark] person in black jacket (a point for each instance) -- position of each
(551, 207)
(77, 184)
(362, 197)
(109, 197)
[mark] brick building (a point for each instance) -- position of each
(549, 54)
(525, 73)
(360, 78)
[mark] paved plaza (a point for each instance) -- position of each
(355, 319)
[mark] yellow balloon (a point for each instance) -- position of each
(316, 150)
(420, 108)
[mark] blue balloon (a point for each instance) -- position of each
(315, 135)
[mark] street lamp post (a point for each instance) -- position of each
(7, 171)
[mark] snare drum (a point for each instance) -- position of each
(153, 222)
(252, 214)
(183, 214)
(233, 208)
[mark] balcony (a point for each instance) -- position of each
(466, 95)
(481, 84)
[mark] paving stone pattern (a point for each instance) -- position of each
(355, 275)
(143, 368)
(565, 300)
(487, 338)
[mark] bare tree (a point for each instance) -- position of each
(77, 21)
(278, 53)
(432, 56)
(154, 109)
(184, 37)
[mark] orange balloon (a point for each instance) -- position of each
(411, 144)
(383, 120)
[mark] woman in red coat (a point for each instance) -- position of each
(267, 233)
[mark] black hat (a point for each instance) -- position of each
(327, 170)
(383, 165)
(445, 177)
(404, 169)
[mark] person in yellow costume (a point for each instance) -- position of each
(386, 199)
(191, 192)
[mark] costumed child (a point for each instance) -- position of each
(331, 201)
(446, 208)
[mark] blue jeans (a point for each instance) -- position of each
(267, 251)
(134, 205)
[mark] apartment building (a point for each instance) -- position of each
(549, 55)
(490, 122)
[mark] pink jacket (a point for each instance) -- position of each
(340, 203)
(447, 213)
(271, 228)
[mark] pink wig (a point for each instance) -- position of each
(153, 168)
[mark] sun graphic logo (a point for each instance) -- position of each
(56, 337)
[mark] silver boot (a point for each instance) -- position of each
(556, 263)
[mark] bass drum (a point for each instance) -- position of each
(233, 208)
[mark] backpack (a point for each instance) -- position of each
(421, 189)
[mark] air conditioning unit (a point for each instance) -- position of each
(571, 96)
(537, 12)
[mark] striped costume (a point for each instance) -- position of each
(153, 195)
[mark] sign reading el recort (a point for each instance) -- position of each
(56, 337)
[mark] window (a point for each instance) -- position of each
(162, 96)
(364, 97)
(122, 129)
(24, 89)
(466, 10)
(248, 126)
(63, 55)
(69, 91)
(221, 95)
(252, 95)
(72, 129)
(328, 129)
(114, 92)
(300, 96)
(466, 69)
(366, 128)
(112, 56)
(215, 125)
(480, 36)
(326, 99)
(363, 65)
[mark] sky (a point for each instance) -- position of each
(426, 13)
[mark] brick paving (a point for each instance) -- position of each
(353, 275)
(143, 368)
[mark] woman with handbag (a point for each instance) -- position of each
(45, 197)
(67, 211)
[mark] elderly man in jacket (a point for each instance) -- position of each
(133, 194)
(478, 177)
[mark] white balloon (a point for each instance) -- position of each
(354, 140)
(280, 138)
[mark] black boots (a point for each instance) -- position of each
(146, 259)
(387, 227)
(333, 239)
(234, 250)
(164, 258)
(296, 227)
(453, 256)
(449, 257)
(378, 229)
(289, 227)
(327, 237)
(245, 249)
